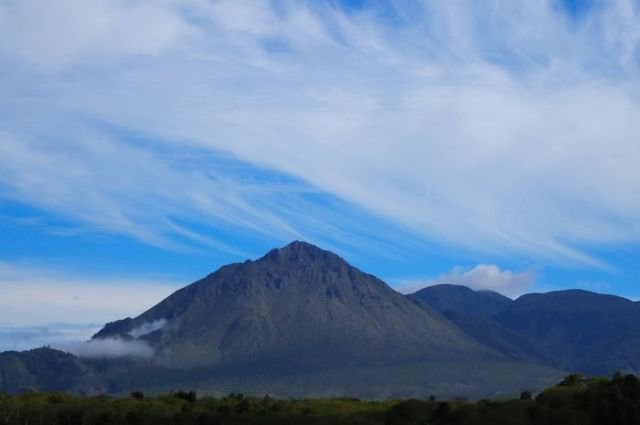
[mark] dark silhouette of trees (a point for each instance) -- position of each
(576, 400)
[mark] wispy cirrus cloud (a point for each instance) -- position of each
(74, 31)
(480, 126)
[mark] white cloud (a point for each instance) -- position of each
(126, 189)
(148, 327)
(18, 338)
(108, 347)
(481, 126)
(55, 35)
(31, 296)
(486, 277)
(40, 306)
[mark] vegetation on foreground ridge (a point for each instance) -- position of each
(576, 400)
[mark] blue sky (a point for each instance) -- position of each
(145, 144)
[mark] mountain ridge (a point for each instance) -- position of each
(300, 320)
(451, 297)
(573, 329)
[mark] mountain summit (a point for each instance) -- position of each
(299, 252)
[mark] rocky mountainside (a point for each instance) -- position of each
(296, 307)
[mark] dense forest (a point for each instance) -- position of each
(575, 400)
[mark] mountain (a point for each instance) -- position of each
(460, 299)
(570, 330)
(298, 322)
(472, 312)
(298, 306)
(583, 331)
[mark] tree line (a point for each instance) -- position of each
(576, 400)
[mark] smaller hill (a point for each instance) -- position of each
(462, 300)
(45, 369)
(472, 312)
(585, 331)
